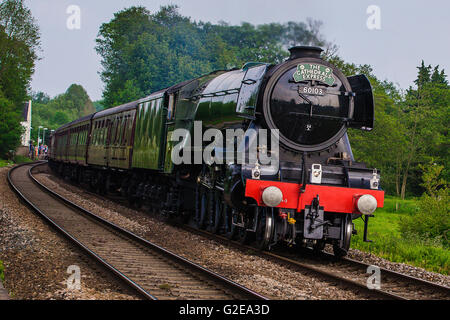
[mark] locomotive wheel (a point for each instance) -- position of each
(319, 246)
(100, 183)
(244, 236)
(133, 200)
(123, 187)
(80, 177)
(265, 228)
(138, 202)
(108, 184)
(230, 228)
(341, 250)
(201, 207)
(237, 233)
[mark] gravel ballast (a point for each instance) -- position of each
(36, 258)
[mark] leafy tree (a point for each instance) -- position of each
(431, 177)
(143, 52)
(67, 107)
(77, 98)
(40, 97)
(19, 43)
(439, 77)
(10, 131)
(61, 117)
(426, 117)
(99, 105)
(19, 35)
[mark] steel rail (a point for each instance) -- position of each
(231, 285)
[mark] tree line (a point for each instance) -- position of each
(64, 108)
(19, 47)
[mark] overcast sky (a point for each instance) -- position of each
(410, 31)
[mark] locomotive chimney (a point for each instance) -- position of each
(304, 52)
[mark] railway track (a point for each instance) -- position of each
(346, 272)
(350, 273)
(151, 270)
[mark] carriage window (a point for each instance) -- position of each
(116, 129)
(104, 132)
(171, 111)
(113, 130)
(124, 140)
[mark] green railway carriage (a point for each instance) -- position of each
(120, 140)
(78, 134)
(112, 137)
(61, 138)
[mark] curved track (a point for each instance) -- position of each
(153, 271)
(346, 272)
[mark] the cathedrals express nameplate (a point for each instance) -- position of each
(317, 72)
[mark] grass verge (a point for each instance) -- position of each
(389, 243)
(4, 163)
(2, 275)
(21, 159)
(16, 160)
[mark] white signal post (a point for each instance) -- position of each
(39, 134)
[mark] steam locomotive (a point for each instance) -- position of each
(311, 195)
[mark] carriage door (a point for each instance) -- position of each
(170, 127)
(108, 147)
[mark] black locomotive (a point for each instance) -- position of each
(308, 198)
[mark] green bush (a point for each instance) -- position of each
(2, 275)
(432, 221)
(21, 159)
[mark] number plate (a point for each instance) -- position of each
(313, 91)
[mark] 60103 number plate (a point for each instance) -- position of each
(312, 91)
